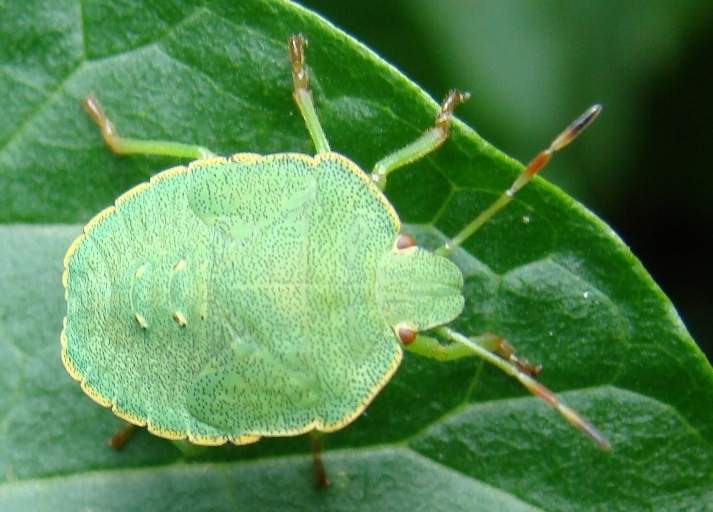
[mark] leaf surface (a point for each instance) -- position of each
(545, 273)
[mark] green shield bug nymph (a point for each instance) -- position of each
(252, 296)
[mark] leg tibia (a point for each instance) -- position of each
(302, 94)
(320, 473)
(126, 146)
(422, 146)
(122, 436)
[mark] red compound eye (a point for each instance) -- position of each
(404, 242)
(406, 335)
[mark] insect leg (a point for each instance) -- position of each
(429, 141)
(501, 347)
(125, 146)
(122, 436)
(189, 449)
(463, 346)
(126, 432)
(431, 348)
(535, 165)
(302, 94)
(320, 473)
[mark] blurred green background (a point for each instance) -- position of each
(644, 166)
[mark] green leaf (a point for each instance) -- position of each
(545, 273)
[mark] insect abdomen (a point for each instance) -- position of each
(137, 328)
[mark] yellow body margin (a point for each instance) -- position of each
(333, 427)
(245, 158)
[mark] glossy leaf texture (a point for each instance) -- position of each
(545, 273)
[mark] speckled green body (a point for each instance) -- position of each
(247, 297)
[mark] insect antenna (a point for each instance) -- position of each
(535, 165)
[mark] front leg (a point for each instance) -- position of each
(487, 347)
(431, 348)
